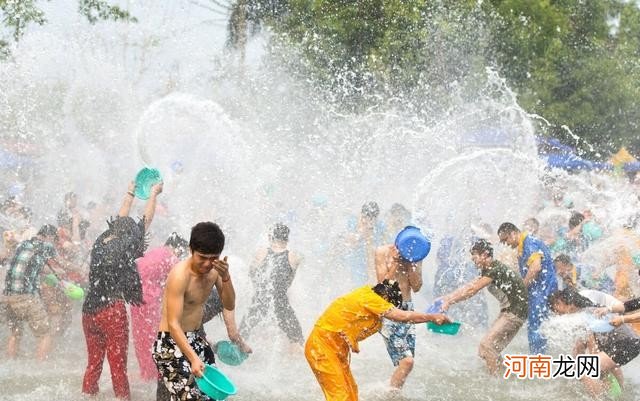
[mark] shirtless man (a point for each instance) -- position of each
(399, 337)
(181, 351)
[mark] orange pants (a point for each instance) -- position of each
(328, 356)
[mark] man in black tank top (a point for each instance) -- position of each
(272, 272)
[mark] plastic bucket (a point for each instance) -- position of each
(447, 328)
(229, 353)
(215, 384)
(412, 244)
(615, 390)
(597, 325)
(145, 179)
(73, 291)
(591, 231)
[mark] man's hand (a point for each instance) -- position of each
(242, 345)
(157, 189)
(197, 367)
(599, 312)
(440, 319)
(132, 187)
(222, 267)
(616, 321)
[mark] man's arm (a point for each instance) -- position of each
(383, 270)
(295, 260)
(229, 318)
(175, 290)
(415, 277)
(534, 269)
(224, 285)
(400, 315)
(466, 291)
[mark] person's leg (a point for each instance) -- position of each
(15, 328)
(36, 315)
(399, 339)
(96, 349)
(598, 387)
(144, 326)
(500, 334)
(175, 369)
(328, 358)
(287, 320)
(162, 394)
(538, 311)
(117, 329)
(257, 311)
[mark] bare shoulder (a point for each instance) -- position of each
(383, 250)
(295, 258)
(179, 272)
(260, 254)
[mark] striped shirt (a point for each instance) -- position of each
(24, 271)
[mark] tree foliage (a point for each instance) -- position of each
(575, 63)
(17, 15)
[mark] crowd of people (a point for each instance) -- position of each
(535, 268)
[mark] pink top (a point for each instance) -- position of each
(154, 267)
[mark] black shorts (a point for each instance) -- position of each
(619, 346)
(176, 369)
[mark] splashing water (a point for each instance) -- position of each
(248, 149)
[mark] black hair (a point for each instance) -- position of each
(370, 209)
(390, 291)
(176, 241)
(398, 209)
(507, 228)
(48, 230)
(279, 232)
(575, 219)
(481, 246)
(562, 258)
(532, 222)
(571, 297)
(206, 237)
(179, 244)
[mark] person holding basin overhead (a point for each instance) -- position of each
(348, 320)
(508, 288)
(402, 262)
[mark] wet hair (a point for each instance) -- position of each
(125, 226)
(533, 223)
(390, 291)
(575, 220)
(70, 195)
(206, 237)
(563, 258)
(48, 230)
(507, 228)
(176, 241)
(82, 228)
(570, 297)
(481, 246)
(370, 210)
(398, 209)
(279, 232)
(26, 212)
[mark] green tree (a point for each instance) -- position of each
(17, 15)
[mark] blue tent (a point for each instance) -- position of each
(632, 167)
(10, 160)
(559, 155)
